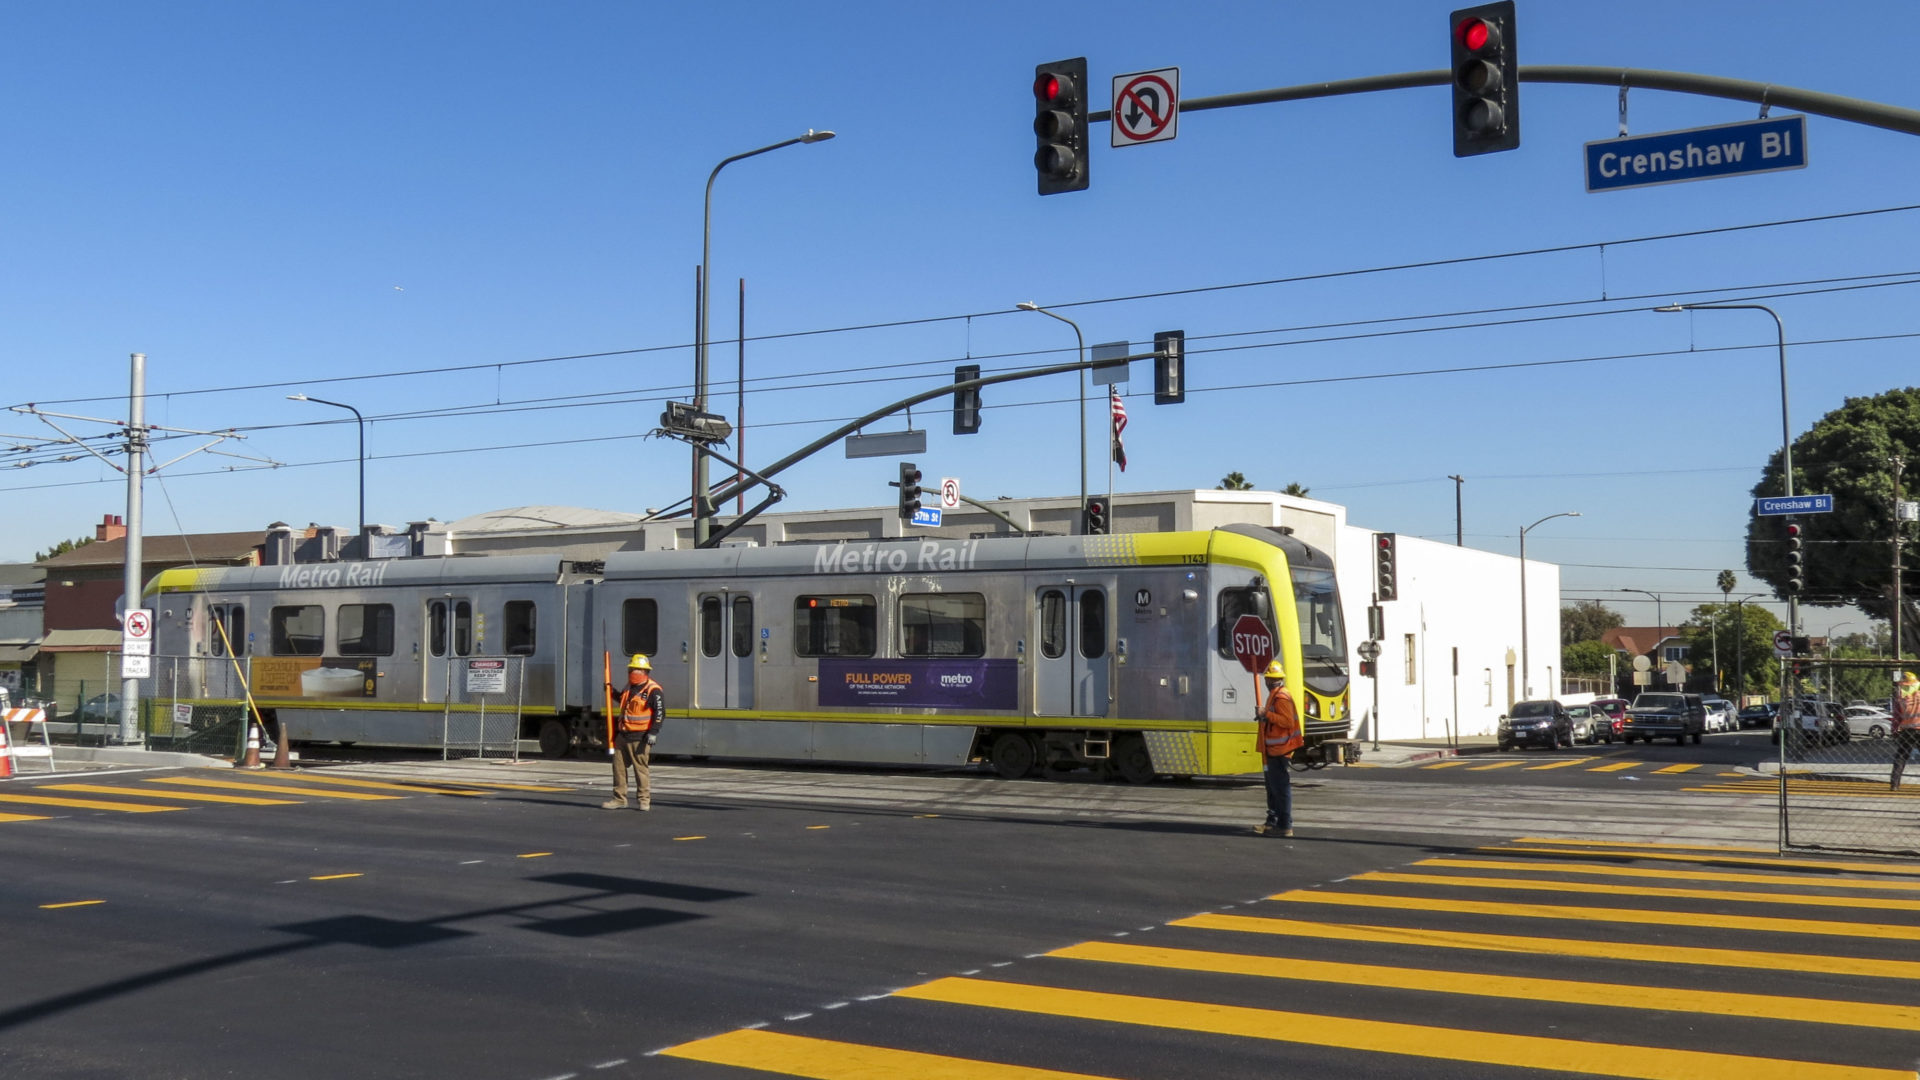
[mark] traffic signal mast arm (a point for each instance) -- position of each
(767, 473)
(1855, 110)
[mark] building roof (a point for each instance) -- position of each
(524, 518)
(12, 574)
(224, 549)
(81, 641)
(1638, 640)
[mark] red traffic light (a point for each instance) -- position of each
(1475, 33)
(1793, 528)
(1053, 88)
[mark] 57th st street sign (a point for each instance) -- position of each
(1708, 153)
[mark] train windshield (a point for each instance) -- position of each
(1323, 638)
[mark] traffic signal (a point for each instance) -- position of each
(1093, 518)
(1060, 125)
(1169, 367)
(1486, 82)
(966, 403)
(1366, 669)
(909, 484)
(1384, 586)
(1796, 559)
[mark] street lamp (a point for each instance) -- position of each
(1526, 675)
(1028, 305)
(702, 513)
(1786, 429)
(361, 421)
(1740, 650)
(1659, 618)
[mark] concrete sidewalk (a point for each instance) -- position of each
(1398, 753)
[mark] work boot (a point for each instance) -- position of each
(613, 804)
(646, 804)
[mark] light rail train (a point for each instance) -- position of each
(1030, 654)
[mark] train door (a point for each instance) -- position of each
(449, 631)
(723, 667)
(1071, 667)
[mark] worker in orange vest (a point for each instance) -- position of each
(1906, 723)
(642, 710)
(1279, 737)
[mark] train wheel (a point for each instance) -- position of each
(1131, 762)
(554, 740)
(1013, 755)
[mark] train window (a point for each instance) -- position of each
(1093, 624)
(366, 629)
(943, 624)
(639, 627)
(743, 626)
(234, 618)
(520, 620)
(462, 628)
(298, 631)
(1235, 603)
(709, 626)
(1053, 624)
(437, 627)
(835, 625)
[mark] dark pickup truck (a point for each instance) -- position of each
(1667, 716)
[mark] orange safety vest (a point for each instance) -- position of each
(1280, 725)
(636, 707)
(1906, 711)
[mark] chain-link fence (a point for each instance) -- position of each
(1839, 762)
(481, 716)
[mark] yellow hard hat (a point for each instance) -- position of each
(1276, 671)
(1907, 679)
(639, 663)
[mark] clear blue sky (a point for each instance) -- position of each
(282, 197)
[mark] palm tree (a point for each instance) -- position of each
(1233, 481)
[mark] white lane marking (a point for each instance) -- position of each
(611, 1064)
(472, 862)
(799, 1016)
(835, 1005)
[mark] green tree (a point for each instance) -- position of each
(1295, 490)
(1847, 453)
(62, 548)
(1742, 635)
(1585, 658)
(1586, 620)
(1233, 481)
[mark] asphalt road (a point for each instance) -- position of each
(810, 922)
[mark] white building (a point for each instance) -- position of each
(1450, 654)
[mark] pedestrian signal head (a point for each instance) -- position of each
(1276, 672)
(639, 663)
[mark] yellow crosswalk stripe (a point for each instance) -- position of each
(1614, 889)
(189, 796)
(423, 789)
(1616, 766)
(1666, 873)
(1674, 769)
(1790, 864)
(827, 1059)
(1637, 844)
(1386, 1037)
(20, 817)
(88, 804)
(1568, 763)
(1817, 927)
(1496, 765)
(509, 787)
(1572, 992)
(1446, 764)
(277, 789)
(1808, 963)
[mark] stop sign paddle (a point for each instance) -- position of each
(1252, 643)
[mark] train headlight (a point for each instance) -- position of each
(1313, 707)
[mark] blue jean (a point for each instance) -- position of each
(1279, 793)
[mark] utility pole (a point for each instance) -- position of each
(1899, 530)
(130, 574)
(1459, 537)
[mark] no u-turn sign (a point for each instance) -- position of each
(1146, 107)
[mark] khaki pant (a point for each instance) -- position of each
(631, 751)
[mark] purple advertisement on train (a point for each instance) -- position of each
(939, 683)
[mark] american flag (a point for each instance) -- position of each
(1119, 425)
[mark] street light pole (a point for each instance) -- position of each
(1786, 428)
(361, 422)
(1526, 673)
(1028, 305)
(1659, 616)
(702, 512)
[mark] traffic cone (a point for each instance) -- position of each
(282, 758)
(6, 751)
(253, 747)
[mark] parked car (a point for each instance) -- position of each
(100, 709)
(1720, 714)
(1542, 723)
(1615, 709)
(1590, 725)
(1871, 721)
(1819, 722)
(1665, 715)
(1760, 715)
